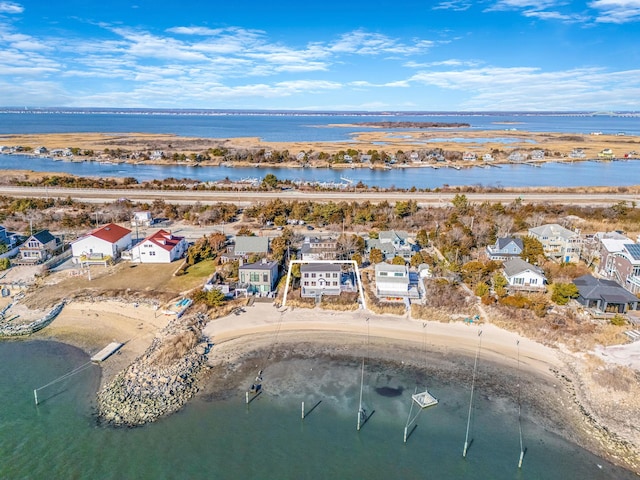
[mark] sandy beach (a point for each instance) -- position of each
(263, 336)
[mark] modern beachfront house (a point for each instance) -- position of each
(392, 281)
(259, 278)
(604, 295)
(101, 244)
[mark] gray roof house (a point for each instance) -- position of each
(604, 295)
(559, 243)
(317, 279)
(246, 245)
(39, 247)
(393, 282)
(521, 275)
(259, 278)
(505, 248)
(392, 243)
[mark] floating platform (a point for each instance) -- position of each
(106, 352)
(424, 399)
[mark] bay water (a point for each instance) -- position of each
(267, 439)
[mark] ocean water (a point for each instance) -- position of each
(267, 439)
(289, 127)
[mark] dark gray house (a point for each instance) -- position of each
(605, 295)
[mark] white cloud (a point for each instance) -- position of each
(364, 43)
(455, 5)
(617, 11)
(10, 7)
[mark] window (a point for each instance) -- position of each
(254, 276)
(533, 281)
(265, 278)
(306, 275)
(382, 274)
(335, 275)
(335, 284)
(313, 284)
(152, 253)
(518, 281)
(306, 284)
(398, 274)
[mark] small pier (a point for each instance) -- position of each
(106, 352)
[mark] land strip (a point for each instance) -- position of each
(248, 197)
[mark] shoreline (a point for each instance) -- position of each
(553, 380)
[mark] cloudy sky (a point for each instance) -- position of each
(322, 54)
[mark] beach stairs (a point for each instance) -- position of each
(634, 335)
(424, 399)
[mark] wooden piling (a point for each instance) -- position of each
(302, 411)
(35, 395)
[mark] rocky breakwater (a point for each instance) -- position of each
(160, 381)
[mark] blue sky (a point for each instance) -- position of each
(455, 55)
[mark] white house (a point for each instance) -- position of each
(559, 243)
(523, 276)
(317, 279)
(142, 219)
(108, 241)
(391, 280)
(161, 247)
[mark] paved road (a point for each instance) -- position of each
(246, 198)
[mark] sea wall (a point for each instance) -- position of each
(160, 381)
(14, 330)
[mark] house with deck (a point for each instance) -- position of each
(315, 248)
(392, 243)
(522, 275)
(102, 244)
(259, 278)
(559, 243)
(39, 247)
(393, 282)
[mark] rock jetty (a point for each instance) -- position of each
(160, 381)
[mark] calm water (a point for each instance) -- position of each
(314, 127)
(619, 173)
(296, 127)
(267, 439)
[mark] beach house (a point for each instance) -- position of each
(159, 247)
(39, 247)
(521, 275)
(392, 243)
(559, 243)
(505, 248)
(392, 281)
(259, 278)
(101, 244)
(315, 248)
(604, 295)
(620, 261)
(317, 279)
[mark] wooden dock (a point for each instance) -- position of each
(106, 352)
